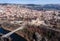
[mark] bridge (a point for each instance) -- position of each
(44, 26)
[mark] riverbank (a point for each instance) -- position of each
(13, 36)
(29, 31)
(20, 33)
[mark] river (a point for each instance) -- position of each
(14, 36)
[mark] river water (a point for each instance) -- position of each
(14, 36)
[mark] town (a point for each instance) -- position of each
(39, 23)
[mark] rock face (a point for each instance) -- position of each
(35, 33)
(37, 36)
